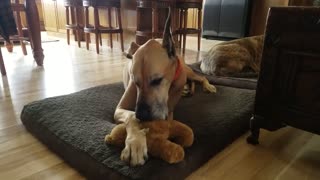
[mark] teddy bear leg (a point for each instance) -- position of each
(166, 150)
(117, 136)
(181, 134)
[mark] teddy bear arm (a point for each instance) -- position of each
(181, 134)
(165, 149)
(117, 136)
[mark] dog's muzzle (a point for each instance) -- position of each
(143, 112)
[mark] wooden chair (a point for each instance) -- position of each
(183, 6)
(97, 28)
(17, 8)
(74, 9)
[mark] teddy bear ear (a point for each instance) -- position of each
(144, 131)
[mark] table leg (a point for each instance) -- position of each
(2, 68)
(34, 30)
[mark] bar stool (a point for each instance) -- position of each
(151, 17)
(183, 30)
(74, 9)
(97, 28)
(17, 8)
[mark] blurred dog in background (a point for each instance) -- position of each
(232, 57)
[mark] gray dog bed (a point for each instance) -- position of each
(245, 80)
(74, 126)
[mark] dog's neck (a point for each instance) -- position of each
(178, 70)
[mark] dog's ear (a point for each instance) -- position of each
(167, 41)
(131, 50)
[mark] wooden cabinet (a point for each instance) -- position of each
(49, 15)
(61, 16)
(54, 15)
(301, 2)
(260, 10)
(259, 14)
(289, 81)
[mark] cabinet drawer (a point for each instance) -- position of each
(307, 85)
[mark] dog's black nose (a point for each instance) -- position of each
(143, 112)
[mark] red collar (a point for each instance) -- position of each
(178, 70)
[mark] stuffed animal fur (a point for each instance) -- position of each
(159, 136)
(230, 58)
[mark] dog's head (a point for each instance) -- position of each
(153, 70)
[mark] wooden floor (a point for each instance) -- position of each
(286, 154)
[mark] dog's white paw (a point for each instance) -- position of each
(136, 151)
(209, 87)
(186, 92)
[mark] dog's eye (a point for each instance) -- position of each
(156, 82)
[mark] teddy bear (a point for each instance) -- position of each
(165, 138)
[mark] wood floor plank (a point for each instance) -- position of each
(59, 171)
(285, 154)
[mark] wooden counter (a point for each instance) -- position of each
(55, 20)
(54, 16)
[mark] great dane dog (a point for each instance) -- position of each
(154, 80)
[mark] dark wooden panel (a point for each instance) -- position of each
(288, 89)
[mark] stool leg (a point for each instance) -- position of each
(185, 23)
(20, 33)
(78, 27)
(100, 35)
(73, 19)
(199, 28)
(9, 46)
(2, 68)
(121, 30)
(96, 26)
(67, 22)
(116, 20)
(87, 40)
(86, 19)
(180, 27)
(155, 22)
(100, 39)
(110, 26)
(173, 23)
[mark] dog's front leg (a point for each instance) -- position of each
(135, 151)
(203, 80)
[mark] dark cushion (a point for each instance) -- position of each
(245, 80)
(74, 126)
